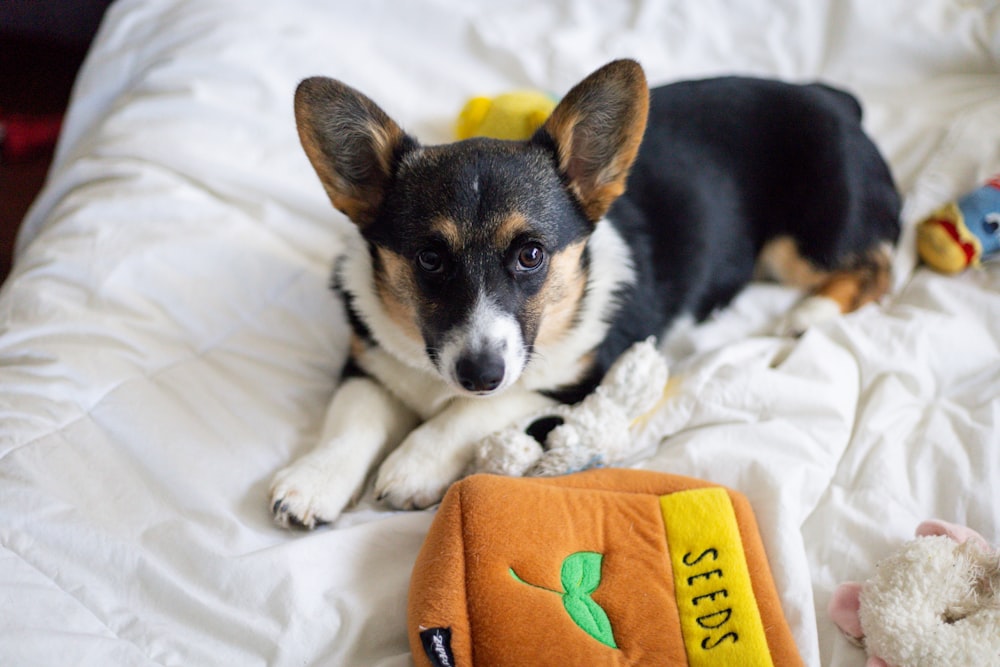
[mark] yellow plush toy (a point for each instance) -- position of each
(515, 115)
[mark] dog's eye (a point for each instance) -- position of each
(430, 261)
(530, 257)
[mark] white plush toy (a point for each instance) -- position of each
(592, 433)
(934, 603)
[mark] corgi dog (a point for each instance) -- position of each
(491, 279)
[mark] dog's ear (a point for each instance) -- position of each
(352, 144)
(597, 129)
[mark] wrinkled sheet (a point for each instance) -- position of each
(168, 341)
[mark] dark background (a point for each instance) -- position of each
(42, 44)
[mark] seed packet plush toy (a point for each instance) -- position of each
(961, 234)
(603, 567)
(933, 603)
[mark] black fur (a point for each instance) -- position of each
(475, 183)
(528, 267)
(725, 165)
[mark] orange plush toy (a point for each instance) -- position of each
(604, 567)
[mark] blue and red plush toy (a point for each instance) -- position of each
(964, 232)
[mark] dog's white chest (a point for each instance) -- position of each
(422, 392)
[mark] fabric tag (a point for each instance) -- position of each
(437, 646)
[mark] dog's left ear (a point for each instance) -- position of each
(597, 129)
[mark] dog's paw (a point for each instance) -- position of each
(410, 482)
(810, 311)
(306, 495)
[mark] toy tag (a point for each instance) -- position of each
(437, 646)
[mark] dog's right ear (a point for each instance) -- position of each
(352, 144)
(597, 129)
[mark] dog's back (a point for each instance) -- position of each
(732, 168)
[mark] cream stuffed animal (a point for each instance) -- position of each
(590, 434)
(934, 603)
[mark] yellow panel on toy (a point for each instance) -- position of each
(514, 115)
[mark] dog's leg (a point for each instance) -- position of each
(419, 471)
(841, 292)
(832, 293)
(864, 283)
(363, 421)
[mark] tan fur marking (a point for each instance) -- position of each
(842, 288)
(560, 126)
(350, 142)
(861, 281)
(358, 347)
(557, 303)
(597, 129)
(448, 230)
(385, 138)
(868, 280)
(780, 260)
(596, 190)
(332, 183)
(397, 290)
(509, 229)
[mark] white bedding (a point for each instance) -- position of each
(169, 341)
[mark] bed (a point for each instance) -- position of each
(168, 339)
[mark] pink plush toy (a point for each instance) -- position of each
(935, 603)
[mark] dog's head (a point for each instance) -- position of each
(478, 248)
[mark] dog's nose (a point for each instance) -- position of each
(480, 372)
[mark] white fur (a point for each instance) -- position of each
(488, 328)
(562, 362)
(807, 313)
(440, 450)
(594, 432)
(317, 487)
(358, 278)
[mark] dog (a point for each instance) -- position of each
(491, 279)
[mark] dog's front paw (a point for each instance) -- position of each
(307, 495)
(409, 481)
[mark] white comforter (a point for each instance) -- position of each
(169, 341)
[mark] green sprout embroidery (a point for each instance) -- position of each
(580, 576)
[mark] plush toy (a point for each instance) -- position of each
(514, 115)
(590, 434)
(934, 603)
(962, 233)
(604, 567)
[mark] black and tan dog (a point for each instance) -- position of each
(490, 278)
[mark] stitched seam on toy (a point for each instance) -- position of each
(465, 574)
